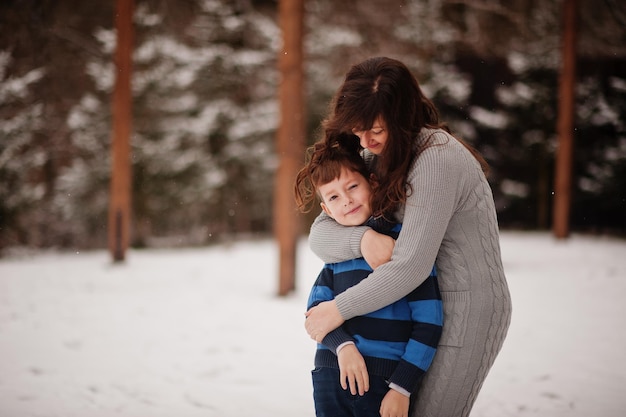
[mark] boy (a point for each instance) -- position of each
(381, 356)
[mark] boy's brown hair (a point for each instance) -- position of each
(324, 162)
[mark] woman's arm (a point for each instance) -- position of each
(437, 181)
(376, 248)
(332, 242)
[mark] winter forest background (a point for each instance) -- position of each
(205, 108)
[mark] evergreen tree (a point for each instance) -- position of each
(204, 116)
(20, 190)
(600, 163)
(205, 110)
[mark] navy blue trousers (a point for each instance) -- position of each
(333, 401)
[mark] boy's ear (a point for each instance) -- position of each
(326, 209)
(373, 180)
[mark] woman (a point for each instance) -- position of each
(435, 185)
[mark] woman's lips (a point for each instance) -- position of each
(373, 146)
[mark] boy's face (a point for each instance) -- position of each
(347, 198)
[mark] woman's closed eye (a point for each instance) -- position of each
(374, 130)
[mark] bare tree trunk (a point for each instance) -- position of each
(119, 202)
(290, 140)
(565, 151)
(543, 188)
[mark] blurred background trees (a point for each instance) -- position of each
(206, 112)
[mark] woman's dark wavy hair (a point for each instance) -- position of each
(324, 162)
(384, 87)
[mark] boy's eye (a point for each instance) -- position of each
(353, 186)
(332, 197)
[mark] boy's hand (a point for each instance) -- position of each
(394, 405)
(352, 370)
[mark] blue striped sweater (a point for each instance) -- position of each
(398, 342)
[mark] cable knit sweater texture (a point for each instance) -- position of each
(449, 219)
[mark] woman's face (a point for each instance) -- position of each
(374, 139)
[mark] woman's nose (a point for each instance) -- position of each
(363, 139)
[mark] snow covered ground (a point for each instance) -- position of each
(200, 332)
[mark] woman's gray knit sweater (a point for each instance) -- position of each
(449, 219)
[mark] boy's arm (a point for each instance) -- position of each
(352, 370)
(323, 290)
(427, 315)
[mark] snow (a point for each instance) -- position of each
(200, 332)
(492, 119)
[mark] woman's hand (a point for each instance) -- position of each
(376, 248)
(394, 405)
(322, 319)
